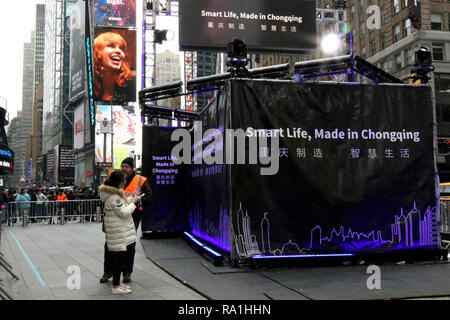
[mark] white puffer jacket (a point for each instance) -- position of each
(119, 226)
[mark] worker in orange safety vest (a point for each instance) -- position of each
(135, 185)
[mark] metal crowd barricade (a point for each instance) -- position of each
(54, 212)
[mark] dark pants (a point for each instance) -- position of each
(137, 216)
(118, 259)
(108, 265)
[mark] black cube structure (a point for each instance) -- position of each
(285, 169)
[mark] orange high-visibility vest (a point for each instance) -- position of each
(135, 184)
(62, 197)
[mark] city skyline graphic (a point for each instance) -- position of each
(411, 229)
(207, 230)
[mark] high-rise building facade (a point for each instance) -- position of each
(57, 128)
(39, 47)
(22, 126)
(36, 140)
(28, 86)
(17, 143)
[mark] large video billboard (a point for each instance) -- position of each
(116, 13)
(265, 25)
(78, 133)
(124, 124)
(114, 65)
(77, 49)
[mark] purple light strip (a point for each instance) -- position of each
(259, 256)
(206, 230)
(351, 52)
(202, 245)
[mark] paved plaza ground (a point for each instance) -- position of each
(169, 269)
(41, 254)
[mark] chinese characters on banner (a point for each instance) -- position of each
(402, 153)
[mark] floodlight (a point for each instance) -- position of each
(331, 43)
(237, 49)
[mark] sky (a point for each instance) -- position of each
(17, 20)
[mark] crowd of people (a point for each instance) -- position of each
(121, 199)
(43, 202)
(50, 193)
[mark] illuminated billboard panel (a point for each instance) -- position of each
(286, 26)
(77, 49)
(123, 127)
(114, 65)
(116, 13)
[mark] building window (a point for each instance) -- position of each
(396, 6)
(353, 13)
(398, 62)
(383, 41)
(449, 20)
(438, 51)
(436, 21)
(407, 27)
(397, 33)
(383, 14)
(362, 32)
(409, 57)
(361, 6)
(363, 53)
(373, 47)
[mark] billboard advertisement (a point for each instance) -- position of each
(6, 160)
(115, 13)
(287, 26)
(123, 125)
(50, 167)
(78, 133)
(65, 164)
(80, 174)
(355, 171)
(332, 169)
(41, 165)
(169, 182)
(77, 49)
(114, 65)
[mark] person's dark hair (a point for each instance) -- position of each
(115, 179)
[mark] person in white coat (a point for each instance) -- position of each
(118, 225)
